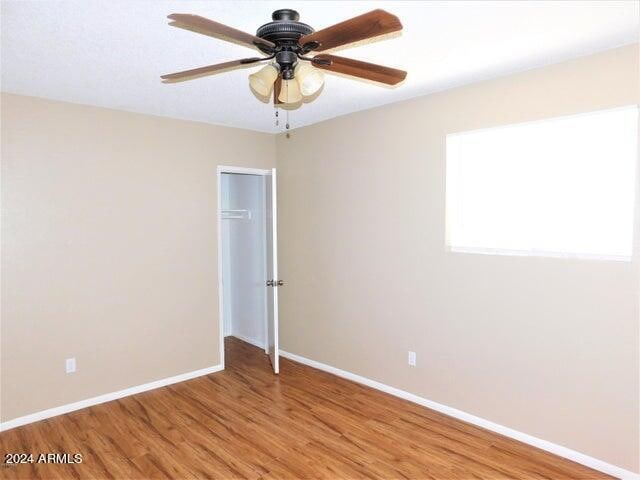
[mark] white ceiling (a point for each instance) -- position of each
(110, 53)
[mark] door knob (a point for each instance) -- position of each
(279, 283)
(270, 283)
(275, 283)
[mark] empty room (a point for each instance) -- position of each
(320, 239)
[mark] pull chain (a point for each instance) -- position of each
(287, 126)
(277, 114)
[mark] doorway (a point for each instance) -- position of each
(248, 259)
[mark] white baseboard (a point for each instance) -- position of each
(107, 397)
(252, 341)
(554, 448)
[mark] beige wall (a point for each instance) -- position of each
(109, 247)
(543, 345)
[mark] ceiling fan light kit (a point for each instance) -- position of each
(262, 81)
(309, 78)
(290, 92)
(296, 68)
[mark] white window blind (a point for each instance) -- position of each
(563, 186)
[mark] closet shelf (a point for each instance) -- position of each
(236, 214)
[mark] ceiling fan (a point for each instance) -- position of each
(287, 43)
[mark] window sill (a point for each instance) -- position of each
(538, 253)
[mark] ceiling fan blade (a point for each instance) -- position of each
(205, 26)
(208, 70)
(369, 25)
(357, 68)
(277, 86)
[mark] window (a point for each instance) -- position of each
(558, 187)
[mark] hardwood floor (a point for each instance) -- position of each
(247, 423)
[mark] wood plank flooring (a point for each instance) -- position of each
(247, 423)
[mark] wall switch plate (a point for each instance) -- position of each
(411, 360)
(71, 365)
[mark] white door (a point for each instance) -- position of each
(272, 282)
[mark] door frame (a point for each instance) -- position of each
(220, 170)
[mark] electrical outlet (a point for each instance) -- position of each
(71, 365)
(411, 360)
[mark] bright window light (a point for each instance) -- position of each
(558, 187)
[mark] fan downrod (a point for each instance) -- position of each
(285, 14)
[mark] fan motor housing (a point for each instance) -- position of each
(285, 30)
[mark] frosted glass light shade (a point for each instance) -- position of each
(262, 80)
(290, 92)
(310, 79)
